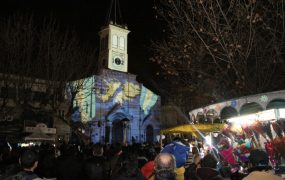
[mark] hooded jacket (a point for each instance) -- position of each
(179, 150)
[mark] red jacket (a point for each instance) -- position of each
(147, 169)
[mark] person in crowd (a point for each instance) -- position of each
(260, 168)
(129, 169)
(190, 171)
(95, 168)
(148, 169)
(29, 162)
(164, 167)
(142, 159)
(208, 169)
(69, 164)
(47, 159)
(115, 158)
(195, 150)
(9, 164)
(181, 152)
(226, 171)
(46, 166)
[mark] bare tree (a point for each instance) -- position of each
(31, 51)
(222, 48)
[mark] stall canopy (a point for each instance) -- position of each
(194, 128)
(40, 133)
(38, 136)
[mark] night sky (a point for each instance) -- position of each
(87, 16)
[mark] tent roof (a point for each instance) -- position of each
(193, 128)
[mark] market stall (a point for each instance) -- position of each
(263, 130)
(40, 133)
(195, 129)
(193, 133)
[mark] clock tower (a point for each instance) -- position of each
(113, 52)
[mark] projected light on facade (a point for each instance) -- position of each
(85, 101)
(112, 97)
(147, 100)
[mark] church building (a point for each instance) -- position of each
(115, 106)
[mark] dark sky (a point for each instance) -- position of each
(87, 16)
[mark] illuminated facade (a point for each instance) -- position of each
(117, 107)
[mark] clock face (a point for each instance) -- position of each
(118, 61)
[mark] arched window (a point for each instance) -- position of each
(250, 108)
(115, 41)
(122, 43)
(228, 112)
(212, 116)
(276, 103)
(200, 117)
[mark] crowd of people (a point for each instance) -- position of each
(175, 161)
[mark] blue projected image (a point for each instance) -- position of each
(147, 100)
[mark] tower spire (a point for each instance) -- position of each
(114, 15)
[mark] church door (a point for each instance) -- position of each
(149, 134)
(117, 132)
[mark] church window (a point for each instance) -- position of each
(122, 43)
(115, 41)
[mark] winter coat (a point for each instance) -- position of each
(180, 173)
(206, 173)
(69, 168)
(190, 172)
(24, 175)
(147, 169)
(95, 168)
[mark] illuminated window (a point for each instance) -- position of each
(122, 43)
(115, 41)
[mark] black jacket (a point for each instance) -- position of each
(206, 173)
